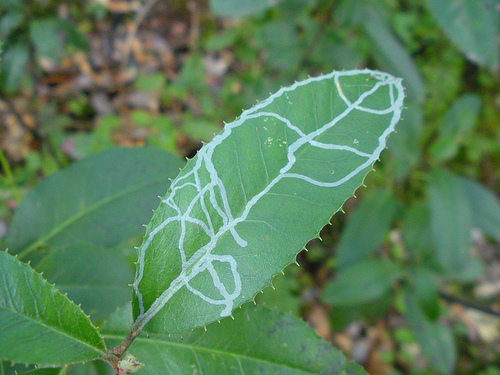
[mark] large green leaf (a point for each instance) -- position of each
(366, 227)
(363, 282)
(95, 277)
(257, 341)
(472, 25)
(238, 8)
(435, 339)
(250, 200)
(39, 325)
(108, 195)
(451, 221)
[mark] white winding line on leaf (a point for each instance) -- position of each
(203, 259)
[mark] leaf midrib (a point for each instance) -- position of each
(72, 219)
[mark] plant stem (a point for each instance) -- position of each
(113, 356)
(120, 349)
(9, 176)
(469, 304)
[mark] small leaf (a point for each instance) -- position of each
(257, 193)
(44, 33)
(370, 311)
(73, 35)
(240, 8)
(472, 25)
(417, 235)
(109, 195)
(281, 43)
(38, 325)
(361, 283)
(425, 289)
(462, 116)
(451, 222)
(435, 339)
(444, 148)
(485, 207)
(13, 65)
(366, 227)
(9, 22)
(404, 144)
(258, 340)
(390, 54)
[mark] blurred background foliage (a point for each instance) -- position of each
(408, 280)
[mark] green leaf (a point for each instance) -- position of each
(251, 199)
(425, 289)
(444, 148)
(258, 340)
(13, 65)
(240, 8)
(10, 22)
(38, 325)
(391, 55)
(370, 311)
(472, 25)
(95, 277)
(366, 227)
(108, 195)
(451, 221)
(462, 116)
(44, 33)
(361, 283)
(281, 43)
(435, 339)
(485, 207)
(417, 229)
(12, 4)
(404, 144)
(73, 35)
(199, 130)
